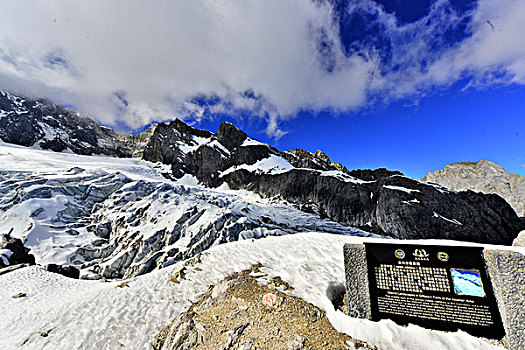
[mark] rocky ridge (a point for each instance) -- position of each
(42, 124)
(380, 201)
(485, 177)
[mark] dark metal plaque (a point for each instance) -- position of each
(438, 287)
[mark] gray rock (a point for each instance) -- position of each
(166, 140)
(301, 158)
(28, 122)
(394, 205)
(16, 252)
(507, 273)
(485, 177)
(230, 136)
(356, 277)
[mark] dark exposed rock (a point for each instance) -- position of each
(29, 122)
(301, 158)
(201, 153)
(67, 271)
(164, 144)
(380, 201)
(394, 206)
(230, 136)
(16, 252)
(372, 175)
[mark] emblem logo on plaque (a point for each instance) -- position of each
(420, 254)
(442, 256)
(399, 253)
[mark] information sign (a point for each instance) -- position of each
(438, 287)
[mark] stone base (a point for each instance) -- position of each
(507, 273)
(357, 289)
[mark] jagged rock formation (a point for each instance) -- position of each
(301, 158)
(67, 271)
(41, 123)
(168, 142)
(13, 252)
(395, 206)
(381, 201)
(485, 177)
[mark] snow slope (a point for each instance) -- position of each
(116, 218)
(84, 314)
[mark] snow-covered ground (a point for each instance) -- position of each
(83, 314)
(19, 158)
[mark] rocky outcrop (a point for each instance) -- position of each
(40, 123)
(394, 205)
(301, 158)
(238, 313)
(169, 142)
(201, 153)
(485, 177)
(13, 252)
(67, 271)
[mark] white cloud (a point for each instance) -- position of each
(494, 53)
(159, 56)
(497, 44)
(137, 61)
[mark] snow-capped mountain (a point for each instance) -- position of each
(120, 217)
(379, 201)
(485, 177)
(43, 124)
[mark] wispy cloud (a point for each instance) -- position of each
(134, 62)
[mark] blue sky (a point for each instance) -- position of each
(449, 126)
(407, 85)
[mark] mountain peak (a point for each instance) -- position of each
(230, 135)
(483, 176)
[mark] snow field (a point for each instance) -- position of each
(94, 314)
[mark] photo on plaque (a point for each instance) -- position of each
(467, 282)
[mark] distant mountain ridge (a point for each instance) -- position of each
(485, 177)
